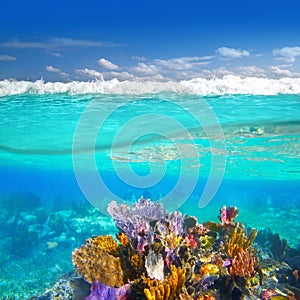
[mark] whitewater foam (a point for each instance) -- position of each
(228, 85)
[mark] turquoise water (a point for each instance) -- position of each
(55, 147)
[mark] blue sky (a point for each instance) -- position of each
(62, 40)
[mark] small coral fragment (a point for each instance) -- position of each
(122, 238)
(209, 269)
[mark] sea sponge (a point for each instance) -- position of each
(98, 259)
(166, 289)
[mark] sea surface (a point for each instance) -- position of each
(68, 149)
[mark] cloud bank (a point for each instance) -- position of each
(55, 43)
(287, 54)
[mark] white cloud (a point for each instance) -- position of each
(119, 75)
(105, 75)
(283, 72)
(139, 58)
(183, 63)
(215, 73)
(145, 69)
(180, 67)
(56, 70)
(90, 73)
(52, 69)
(106, 64)
(287, 54)
(55, 43)
(56, 54)
(251, 71)
(7, 58)
(231, 53)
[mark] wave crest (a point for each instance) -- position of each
(228, 85)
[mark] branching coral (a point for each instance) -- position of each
(243, 265)
(238, 241)
(135, 223)
(166, 289)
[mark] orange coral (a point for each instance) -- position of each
(166, 289)
(205, 297)
(122, 238)
(98, 259)
(243, 265)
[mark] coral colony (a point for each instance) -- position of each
(159, 255)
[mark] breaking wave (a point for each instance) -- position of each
(228, 85)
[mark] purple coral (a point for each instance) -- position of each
(135, 223)
(148, 210)
(101, 291)
(205, 282)
(172, 223)
(143, 209)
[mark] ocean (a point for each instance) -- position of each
(68, 149)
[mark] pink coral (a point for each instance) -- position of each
(227, 215)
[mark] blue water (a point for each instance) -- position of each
(63, 149)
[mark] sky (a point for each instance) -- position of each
(62, 40)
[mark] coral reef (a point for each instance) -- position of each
(158, 255)
(164, 255)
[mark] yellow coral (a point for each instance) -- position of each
(98, 259)
(166, 289)
(238, 241)
(205, 297)
(209, 269)
(107, 243)
(172, 240)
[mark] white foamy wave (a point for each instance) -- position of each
(199, 86)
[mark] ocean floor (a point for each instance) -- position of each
(36, 243)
